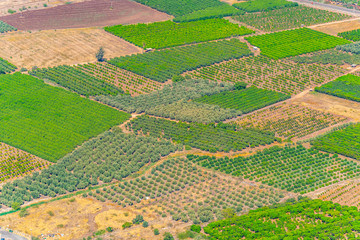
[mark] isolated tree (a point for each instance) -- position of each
(100, 54)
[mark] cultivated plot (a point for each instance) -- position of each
(85, 14)
(53, 48)
(345, 193)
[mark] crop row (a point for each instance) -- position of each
(281, 76)
(180, 189)
(110, 156)
(264, 5)
(246, 100)
(353, 35)
(344, 194)
(163, 65)
(169, 34)
(294, 42)
(17, 163)
(289, 120)
(294, 169)
(6, 67)
(288, 18)
(307, 219)
(222, 137)
(77, 81)
(344, 141)
(47, 121)
(131, 83)
(330, 56)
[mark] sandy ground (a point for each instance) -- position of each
(231, 2)
(5, 5)
(331, 104)
(337, 27)
(57, 47)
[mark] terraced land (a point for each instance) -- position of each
(260, 71)
(290, 120)
(64, 120)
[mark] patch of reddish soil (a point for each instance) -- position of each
(85, 14)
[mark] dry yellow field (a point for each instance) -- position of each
(57, 47)
(338, 27)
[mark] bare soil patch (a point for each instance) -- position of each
(338, 27)
(57, 47)
(85, 14)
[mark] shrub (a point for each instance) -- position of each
(156, 231)
(195, 228)
(127, 225)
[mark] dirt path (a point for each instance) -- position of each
(133, 116)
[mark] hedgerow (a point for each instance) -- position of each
(47, 121)
(111, 155)
(295, 169)
(169, 34)
(294, 42)
(344, 141)
(307, 219)
(246, 100)
(211, 137)
(164, 64)
(264, 5)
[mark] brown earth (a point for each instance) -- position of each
(85, 14)
(57, 47)
(338, 27)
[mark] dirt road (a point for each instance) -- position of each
(332, 8)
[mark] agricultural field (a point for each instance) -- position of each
(347, 86)
(61, 47)
(290, 120)
(129, 82)
(169, 34)
(353, 48)
(165, 64)
(219, 138)
(291, 168)
(4, 27)
(6, 67)
(282, 76)
(319, 219)
(353, 35)
(192, 10)
(294, 42)
(245, 100)
(338, 27)
(30, 108)
(344, 141)
(338, 56)
(288, 18)
(264, 5)
(111, 155)
(345, 193)
(84, 14)
(17, 163)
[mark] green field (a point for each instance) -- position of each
(344, 141)
(163, 65)
(46, 121)
(353, 35)
(307, 219)
(169, 34)
(294, 42)
(246, 100)
(6, 67)
(264, 5)
(347, 87)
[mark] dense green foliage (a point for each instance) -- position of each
(173, 102)
(4, 27)
(281, 76)
(264, 5)
(344, 141)
(222, 137)
(294, 169)
(77, 81)
(347, 87)
(170, 34)
(111, 155)
(6, 67)
(163, 65)
(353, 35)
(246, 100)
(330, 56)
(190, 10)
(294, 42)
(47, 121)
(351, 48)
(290, 120)
(307, 219)
(287, 18)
